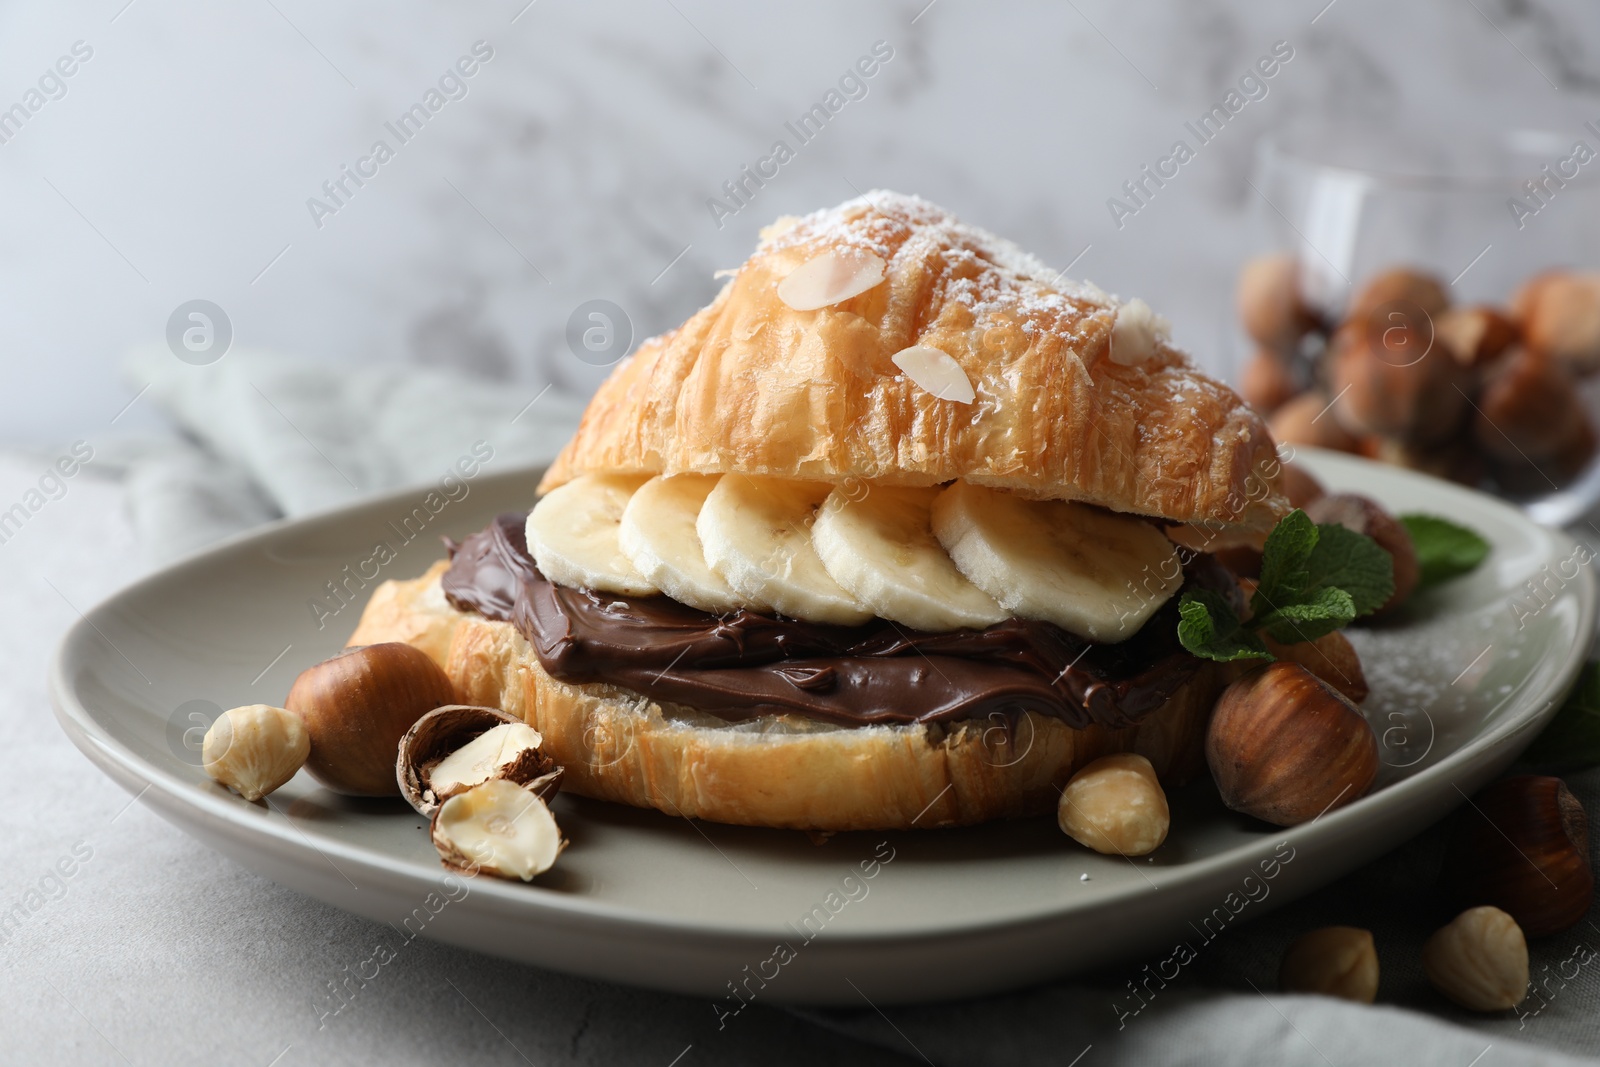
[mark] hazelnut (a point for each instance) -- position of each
(1528, 408)
(1330, 657)
(1537, 476)
(1300, 485)
(451, 749)
(357, 705)
(1480, 960)
(1400, 288)
(255, 749)
(1455, 460)
(1270, 308)
(1367, 516)
(1115, 806)
(1560, 317)
(1475, 336)
(1393, 381)
(1335, 961)
(1308, 420)
(1266, 383)
(1522, 845)
(497, 828)
(1285, 746)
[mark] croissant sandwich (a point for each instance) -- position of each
(889, 535)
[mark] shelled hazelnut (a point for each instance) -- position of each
(1394, 384)
(357, 705)
(1269, 302)
(1308, 420)
(1115, 806)
(453, 748)
(1480, 960)
(1366, 516)
(497, 828)
(255, 749)
(1285, 746)
(1522, 845)
(1335, 961)
(1559, 312)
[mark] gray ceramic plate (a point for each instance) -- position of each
(1458, 689)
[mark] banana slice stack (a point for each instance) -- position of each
(931, 559)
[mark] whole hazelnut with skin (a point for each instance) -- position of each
(1284, 746)
(1308, 420)
(1330, 657)
(1266, 383)
(1115, 806)
(1455, 460)
(1528, 408)
(1367, 516)
(1400, 286)
(1480, 960)
(1395, 382)
(1537, 476)
(1560, 317)
(357, 705)
(1268, 297)
(1522, 845)
(1335, 961)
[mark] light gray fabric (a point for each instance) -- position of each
(143, 929)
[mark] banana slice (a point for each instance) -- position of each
(572, 535)
(657, 533)
(1092, 572)
(881, 549)
(756, 533)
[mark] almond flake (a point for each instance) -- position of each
(831, 278)
(1135, 333)
(936, 372)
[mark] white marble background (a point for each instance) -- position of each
(179, 162)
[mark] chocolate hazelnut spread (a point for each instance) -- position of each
(744, 665)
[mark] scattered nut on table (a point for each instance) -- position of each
(357, 705)
(1522, 845)
(1285, 746)
(254, 749)
(1115, 806)
(497, 828)
(451, 749)
(1335, 961)
(1480, 960)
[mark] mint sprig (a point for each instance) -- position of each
(1314, 580)
(1444, 549)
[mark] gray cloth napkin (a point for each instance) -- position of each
(264, 436)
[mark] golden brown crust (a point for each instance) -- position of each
(750, 385)
(781, 771)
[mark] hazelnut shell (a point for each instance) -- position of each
(1307, 420)
(446, 729)
(1285, 747)
(1521, 845)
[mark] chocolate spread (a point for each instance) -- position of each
(743, 665)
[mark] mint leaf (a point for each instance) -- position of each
(1444, 550)
(1209, 627)
(1327, 610)
(1284, 560)
(1353, 562)
(1572, 740)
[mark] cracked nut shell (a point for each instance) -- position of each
(446, 731)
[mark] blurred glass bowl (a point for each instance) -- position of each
(1482, 214)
